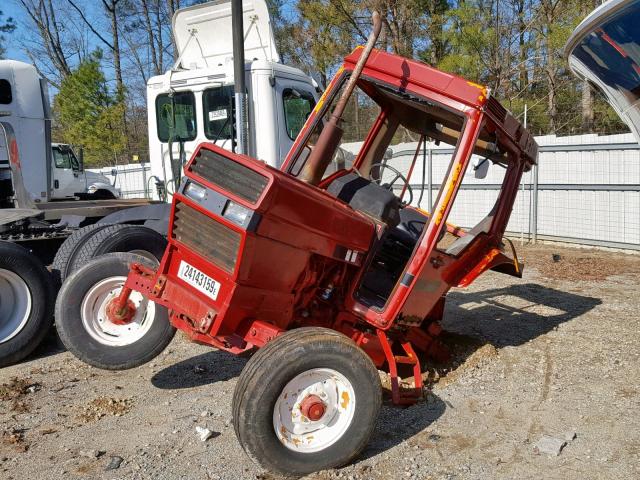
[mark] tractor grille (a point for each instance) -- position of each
(209, 238)
(229, 175)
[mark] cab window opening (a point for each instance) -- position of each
(61, 159)
(298, 105)
(219, 112)
(176, 117)
(6, 96)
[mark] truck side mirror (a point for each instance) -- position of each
(480, 167)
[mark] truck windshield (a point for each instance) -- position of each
(176, 117)
(61, 159)
(608, 56)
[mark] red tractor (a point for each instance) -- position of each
(321, 265)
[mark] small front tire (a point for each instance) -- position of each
(307, 401)
(86, 330)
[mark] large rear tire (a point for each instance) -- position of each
(307, 401)
(61, 266)
(120, 238)
(86, 330)
(26, 303)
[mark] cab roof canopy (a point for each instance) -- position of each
(408, 86)
(203, 34)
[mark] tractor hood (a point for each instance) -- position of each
(203, 34)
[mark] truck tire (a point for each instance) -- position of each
(317, 380)
(61, 266)
(120, 238)
(87, 332)
(26, 303)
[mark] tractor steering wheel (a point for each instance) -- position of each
(389, 185)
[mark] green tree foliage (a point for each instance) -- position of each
(88, 114)
(6, 26)
(513, 46)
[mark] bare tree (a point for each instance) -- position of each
(51, 50)
(112, 44)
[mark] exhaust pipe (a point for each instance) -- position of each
(332, 133)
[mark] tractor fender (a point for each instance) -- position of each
(154, 216)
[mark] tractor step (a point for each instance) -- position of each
(399, 394)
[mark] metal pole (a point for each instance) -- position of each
(430, 178)
(144, 181)
(534, 220)
(523, 193)
(237, 22)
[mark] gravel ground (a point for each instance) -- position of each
(548, 360)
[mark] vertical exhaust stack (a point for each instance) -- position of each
(332, 132)
(237, 22)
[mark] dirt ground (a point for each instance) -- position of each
(554, 354)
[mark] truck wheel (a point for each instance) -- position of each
(87, 332)
(61, 266)
(306, 401)
(26, 303)
(121, 238)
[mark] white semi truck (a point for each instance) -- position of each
(193, 102)
(51, 171)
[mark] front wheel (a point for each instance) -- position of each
(88, 332)
(307, 401)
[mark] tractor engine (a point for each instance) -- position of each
(233, 220)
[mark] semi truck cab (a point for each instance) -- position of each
(194, 101)
(50, 171)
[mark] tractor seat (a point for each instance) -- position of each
(367, 197)
(409, 230)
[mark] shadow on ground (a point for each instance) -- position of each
(508, 316)
(205, 369)
(513, 315)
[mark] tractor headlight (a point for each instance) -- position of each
(236, 213)
(195, 192)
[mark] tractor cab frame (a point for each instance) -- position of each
(234, 217)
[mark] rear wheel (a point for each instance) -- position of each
(120, 238)
(88, 332)
(61, 266)
(307, 401)
(26, 303)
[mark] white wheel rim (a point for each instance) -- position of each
(97, 323)
(299, 433)
(145, 254)
(15, 304)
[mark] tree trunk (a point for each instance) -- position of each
(111, 8)
(172, 6)
(588, 115)
(522, 27)
(150, 36)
